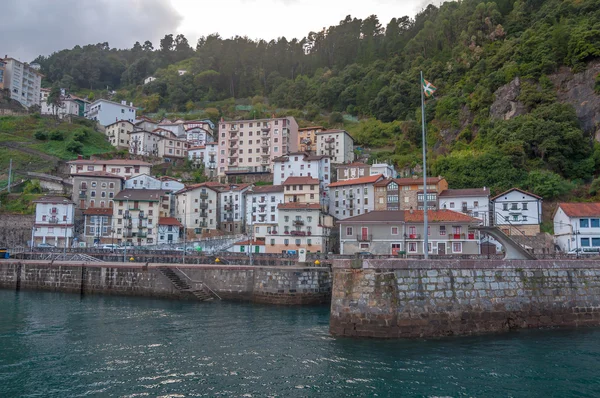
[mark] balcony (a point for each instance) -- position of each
(212, 153)
(141, 234)
(203, 214)
(298, 222)
(142, 216)
(203, 225)
(53, 220)
(204, 205)
(204, 195)
(261, 210)
(265, 161)
(212, 165)
(456, 236)
(414, 236)
(265, 144)
(297, 233)
(265, 137)
(127, 234)
(228, 207)
(350, 205)
(233, 145)
(228, 219)
(364, 238)
(266, 128)
(329, 140)
(265, 154)
(82, 195)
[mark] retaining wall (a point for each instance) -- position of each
(427, 298)
(270, 285)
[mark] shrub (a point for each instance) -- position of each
(80, 135)
(57, 136)
(74, 146)
(40, 135)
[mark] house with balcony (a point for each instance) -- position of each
(23, 81)
(407, 193)
(145, 181)
(307, 139)
(577, 227)
(197, 208)
(169, 231)
(198, 136)
(171, 149)
(122, 167)
(54, 221)
(118, 133)
(95, 189)
(517, 212)
(302, 190)
(232, 206)
(108, 112)
(474, 202)
(206, 155)
(349, 198)
(302, 164)
(136, 213)
(337, 144)
(98, 227)
(390, 232)
(261, 209)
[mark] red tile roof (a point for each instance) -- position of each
(116, 162)
(98, 211)
(516, 189)
(301, 181)
(103, 174)
(357, 181)
(215, 186)
(267, 189)
(581, 209)
(437, 216)
(169, 221)
(254, 242)
(299, 206)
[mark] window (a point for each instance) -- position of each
(524, 217)
(585, 242)
(514, 206)
(412, 247)
(286, 242)
(475, 204)
(595, 222)
(524, 206)
(298, 242)
(412, 230)
(452, 205)
(349, 231)
(505, 206)
(394, 230)
(457, 247)
(442, 230)
(595, 242)
(584, 223)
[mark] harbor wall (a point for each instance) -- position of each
(399, 298)
(269, 285)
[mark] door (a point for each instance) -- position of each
(395, 249)
(441, 248)
(256, 249)
(364, 232)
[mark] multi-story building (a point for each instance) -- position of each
(302, 190)
(352, 171)
(261, 209)
(337, 144)
(251, 145)
(118, 133)
(144, 143)
(136, 214)
(3, 75)
(197, 208)
(348, 198)
(307, 139)
(54, 221)
(577, 227)
(145, 181)
(474, 202)
(177, 129)
(97, 228)
(95, 189)
(207, 155)
(23, 81)
(517, 212)
(107, 112)
(232, 207)
(198, 136)
(169, 229)
(407, 193)
(145, 124)
(387, 170)
(390, 232)
(70, 105)
(122, 167)
(301, 164)
(172, 148)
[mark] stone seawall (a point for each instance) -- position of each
(428, 298)
(270, 285)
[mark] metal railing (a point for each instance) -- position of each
(200, 282)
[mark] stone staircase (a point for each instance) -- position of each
(202, 294)
(513, 250)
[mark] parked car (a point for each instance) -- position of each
(586, 251)
(45, 245)
(188, 249)
(364, 253)
(111, 247)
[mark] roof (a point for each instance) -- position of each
(418, 180)
(210, 184)
(433, 216)
(353, 164)
(169, 221)
(267, 189)
(234, 187)
(98, 211)
(53, 199)
(301, 181)
(310, 128)
(197, 147)
(130, 162)
(145, 195)
(333, 131)
(113, 102)
(299, 206)
(102, 174)
(516, 189)
(452, 193)
(120, 121)
(580, 209)
(377, 216)
(254, 242)
(356, 181)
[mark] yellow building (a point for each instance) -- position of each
(307, 139)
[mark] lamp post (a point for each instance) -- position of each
(128, 215)
(184, 227)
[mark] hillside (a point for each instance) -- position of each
(517, 86)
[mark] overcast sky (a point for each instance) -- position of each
(33, 27)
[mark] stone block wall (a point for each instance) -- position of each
(427, 298)
(292, 285)
(15, 229)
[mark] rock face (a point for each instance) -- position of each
(578, 90)
(506, 106)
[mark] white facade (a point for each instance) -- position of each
(352, 197)
(207, 155)
(301, 164)
(577, 229)
(54, 221)
(337, 144)
(23, 82)
(144, 181)
(169, 230)
(118, 133)
(232, 208)
(387, 170)
(261, 209)
(472, 202)
(144, 143)
(121, 167)
(517, 207)
(197, 208)
(176, 128)
(149, 79)
(107, 112)
(198, 136)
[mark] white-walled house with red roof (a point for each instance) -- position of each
(54, 221)
(517, 212)
(121, 167)
(169, 230)
(577, 227)
(350, 198)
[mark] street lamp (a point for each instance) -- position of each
(125, 240)
(184, 227)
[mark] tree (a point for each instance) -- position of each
(54, 100)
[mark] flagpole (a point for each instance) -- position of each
(425, 202)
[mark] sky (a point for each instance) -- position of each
(40, 27)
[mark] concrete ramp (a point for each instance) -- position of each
(513, 250)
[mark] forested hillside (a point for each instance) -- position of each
(468, 49)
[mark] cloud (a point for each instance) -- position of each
(33, 27)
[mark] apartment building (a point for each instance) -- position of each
(232, 207)
(145, 181)
(206, 155)
(3, 75)
(144, 143)
(107, 112)
(198, 136)
(517, 212)
(172, 148)
(307, 139)
(261, 209)
(302, 164)
(169, 230)
(353, 171)
(197, 208)
(474, 202)
(97, 228)
(251, 145)
(54, 221)
(136, 214)
(95, 189)
(122, 167)
(407, 193)
(143, 123)
(22, 81)
(349, 198)
(301, 190)
(177, 129)
(337, 144)
(118, 133)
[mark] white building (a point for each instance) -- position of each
(197, 208)
(118, 133)
(247, 246)
(261, 209)
(169, 230)
(23, 82)
(577, 227)
(300, 164)
(232, 207)
(517, 212)
(206, 155)
(145, 124)
(387, 170)
(337, 144)
(474, 202)
(145, 181)
(145, 143)
(107, 112)
(54, 221)
(177, 129)
(351, 198)
(172, 148)
(197, 136)
(120, 167)
(149, 79)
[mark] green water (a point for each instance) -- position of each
(60, 345)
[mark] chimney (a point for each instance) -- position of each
(123, 102)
